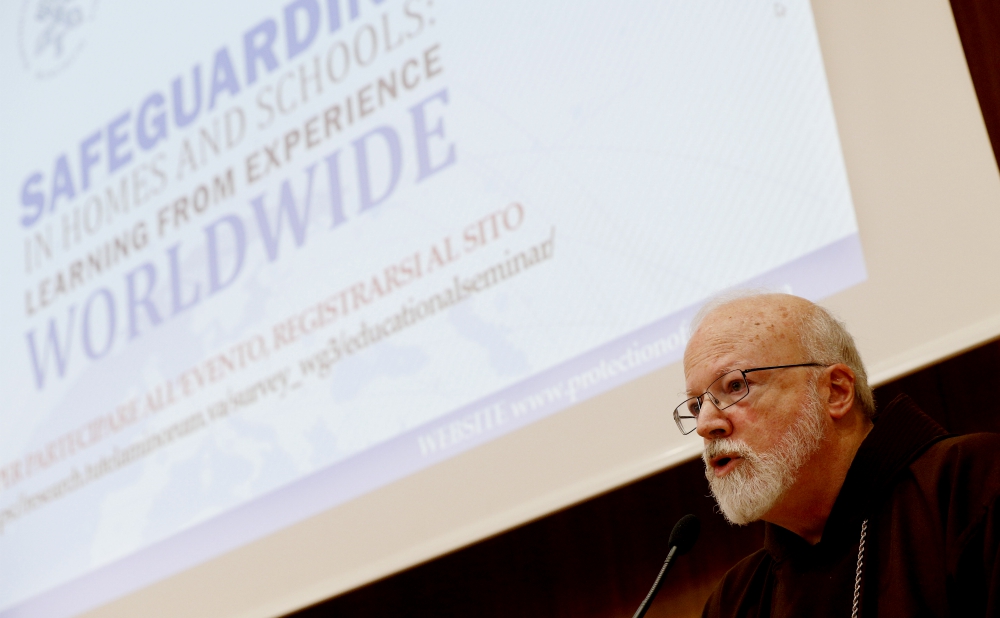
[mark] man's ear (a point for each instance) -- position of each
(841, 394)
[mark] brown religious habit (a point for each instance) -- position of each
(915, 531)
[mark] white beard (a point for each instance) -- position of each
(753, 487)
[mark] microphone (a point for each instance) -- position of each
(682, 539)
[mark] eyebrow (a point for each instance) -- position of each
(722, 372)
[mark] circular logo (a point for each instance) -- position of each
(52, 33)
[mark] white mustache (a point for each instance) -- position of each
(729, 446)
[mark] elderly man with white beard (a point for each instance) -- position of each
(867, 514)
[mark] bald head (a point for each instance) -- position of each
(768, 320)
(776, 329)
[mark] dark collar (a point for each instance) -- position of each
(902, 432)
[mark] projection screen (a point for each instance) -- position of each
(296, 295)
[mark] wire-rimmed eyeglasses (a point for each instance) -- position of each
(727, 389)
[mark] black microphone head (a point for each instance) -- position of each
(685, 533)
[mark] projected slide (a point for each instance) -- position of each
(260, 259)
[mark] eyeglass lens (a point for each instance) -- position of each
(724, 392)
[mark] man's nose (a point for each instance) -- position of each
(712, 422)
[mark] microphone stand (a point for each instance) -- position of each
(639, 613)
(682, 539)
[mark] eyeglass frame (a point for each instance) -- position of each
(716, 402)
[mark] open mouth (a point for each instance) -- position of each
(724, 463)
